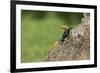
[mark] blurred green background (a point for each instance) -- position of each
(41, 29)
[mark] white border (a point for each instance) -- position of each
(51, 64)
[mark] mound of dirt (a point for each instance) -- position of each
(76, 46)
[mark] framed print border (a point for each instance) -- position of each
(13, 35)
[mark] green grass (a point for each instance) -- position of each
(39, 33)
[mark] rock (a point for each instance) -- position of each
(76, 46)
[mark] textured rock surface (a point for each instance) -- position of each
(76, 46)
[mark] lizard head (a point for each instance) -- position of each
(64, 27)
